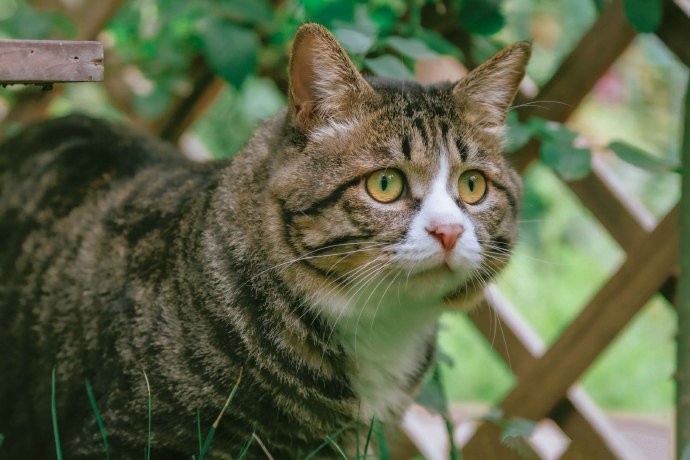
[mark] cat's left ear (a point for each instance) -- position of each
(324, 84)
(491, 87)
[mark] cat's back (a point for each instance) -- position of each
(53, 166)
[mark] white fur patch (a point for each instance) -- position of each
(384, 322)
(332, 128)
(421, 249)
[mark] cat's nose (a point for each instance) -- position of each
(446, 234)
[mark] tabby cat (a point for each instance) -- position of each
(314, 264)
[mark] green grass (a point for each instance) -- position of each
(212, 431)
(99, 420)
(53, 411)
(147, 452)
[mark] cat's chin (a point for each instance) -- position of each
(439, 281)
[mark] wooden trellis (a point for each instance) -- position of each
(546, 379)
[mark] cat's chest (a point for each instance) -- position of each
(389, 355)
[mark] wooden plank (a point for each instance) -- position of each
(519, 345)
(31, 105)
(626, 220)
(50, 61)
(185, 111)
(605, 41)
(644, 271)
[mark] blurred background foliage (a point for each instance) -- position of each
(564, 255)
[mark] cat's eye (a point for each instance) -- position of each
(472, 186)
(385, 185)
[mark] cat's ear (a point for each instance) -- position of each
(324, 84)
(492, 86)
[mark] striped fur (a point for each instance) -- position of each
(121, 257)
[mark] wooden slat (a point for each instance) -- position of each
(519, 345)
(50, 61)
(31, 105)
(184, 111)
(626, 220)
(547, 379)
(608, 37)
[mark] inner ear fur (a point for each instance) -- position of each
(324, 83)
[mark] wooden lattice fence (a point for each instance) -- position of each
(546, 379)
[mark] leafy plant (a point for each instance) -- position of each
(644, 15)
(514, 431)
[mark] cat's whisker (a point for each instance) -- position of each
(378, 305)
(540, 101)
(307, 256)
(363, 273)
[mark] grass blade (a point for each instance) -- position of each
(53, 411)
(454, 452)
(214, 427)
(328, 440)
(366, 443)
(383, 447)
(337, 447)
(245, 449)
(198, 428)
(263, 446)
(357, 432)
(148, 439)
(99, 420)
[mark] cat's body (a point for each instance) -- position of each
(127, 265)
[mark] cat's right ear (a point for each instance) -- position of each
(324, 83)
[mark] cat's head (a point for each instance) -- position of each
(387, 181)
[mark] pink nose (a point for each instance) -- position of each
(447, 234)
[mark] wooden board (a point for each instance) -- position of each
(546, 380)
(47, 61)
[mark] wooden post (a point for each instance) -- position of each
(683, 300)
(44, 62)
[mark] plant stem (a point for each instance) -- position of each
(683, 298)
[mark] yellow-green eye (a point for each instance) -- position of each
(472, 186)
(385, 185)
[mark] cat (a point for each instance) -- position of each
(308, 272)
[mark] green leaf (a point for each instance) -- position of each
(518, 133)
(229, 49)
(570, 162)
(254, 12)
(432, 397)
(481, 16)
(517, 427)
(515, 433)
(363, 22)
(327, 12)
(433, 394)
(388, 66)
(686, 452)
(494, 416)
(354, 41)
(644, 15)
(2, 439)
(411, 47)
(641, 159)
(439, 44)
